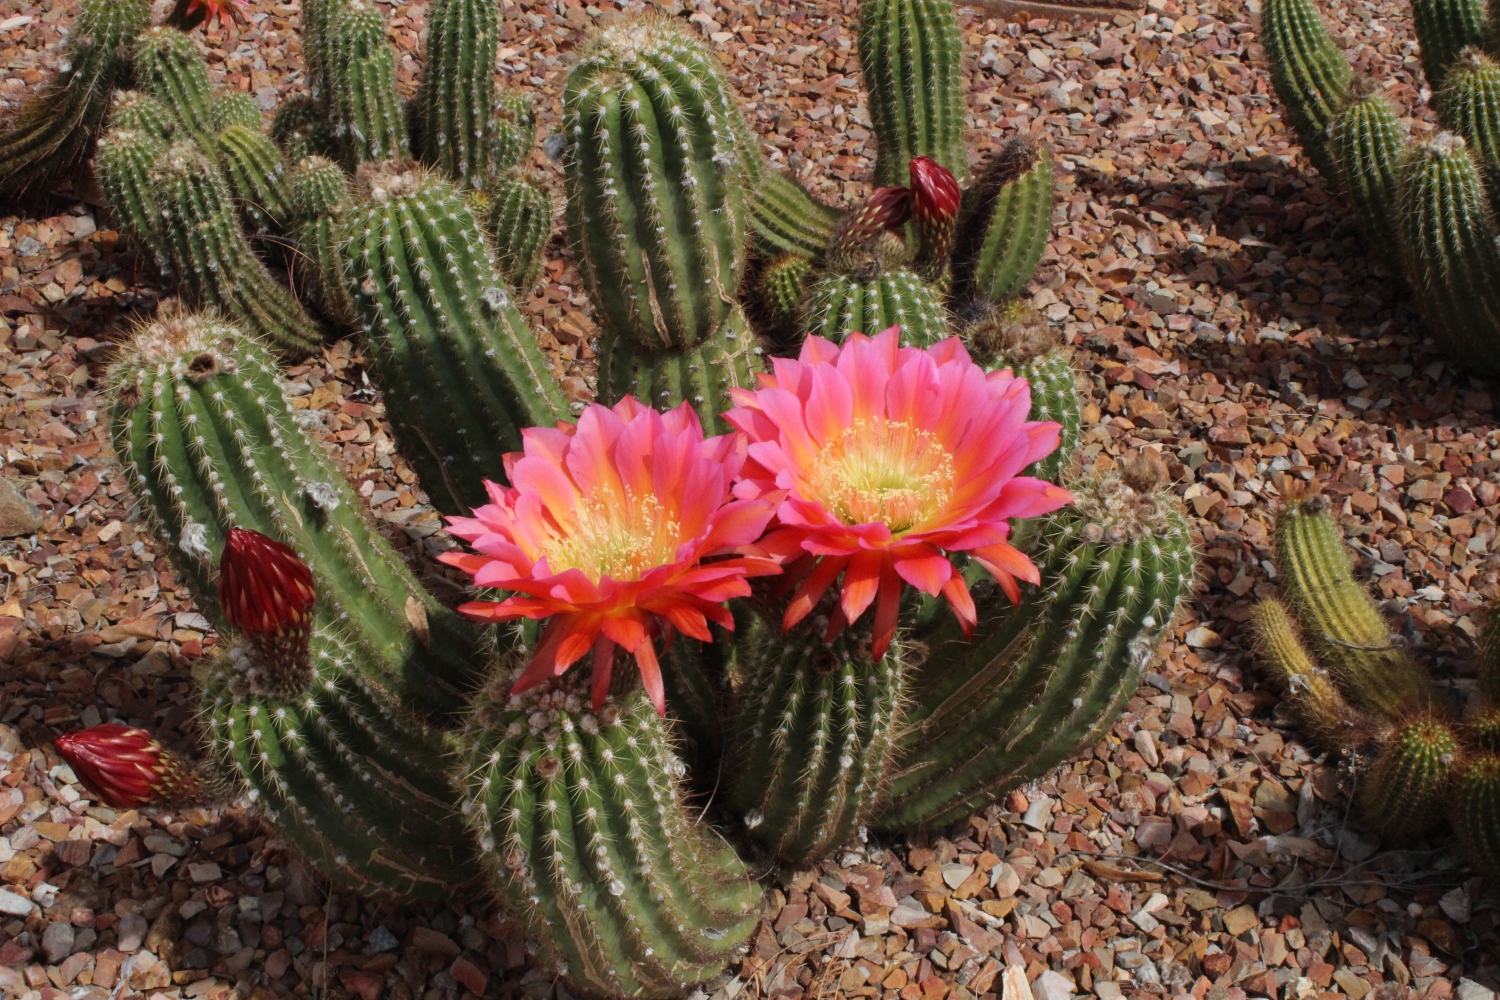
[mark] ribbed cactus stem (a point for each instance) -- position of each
(1365, 140)
(233, 107)
(1469, 104)
(1405, 795)
(814, 736)
(51, 131)
(701, 375)
(257, 175)
(1487, 664)
(1444, 29)
(1308, 71)
(910, 54)
(1003, 226)
(520, 222)
(320, 197)
(1476, 814)
(1315, 700)
(513, 131)
(1350, 638)
(837, 305)
(362, 83)
(210, 442)
(123, 163)
(138, 111)
(655, 205)
(169, 67)
(461, 370)
(584, 832)
(1038, 681)
(786, 219)
(319, 20)
(456, 105)
(210, 256)
(782, 284)
(301, 129)
(1482, 729)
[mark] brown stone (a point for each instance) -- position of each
(18, 516)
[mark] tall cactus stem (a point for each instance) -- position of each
(1476, 814)
(366, 105)
(1405, 795)
(320, 198)
(123, 164)
(1003, 225)
(1309, 73)
(456, 104)
(1365, 140)
(520, 222)
(910, 55)
(1315, 700)
(786, 219)
(1444, 29)
(169, 67)
(837, 305)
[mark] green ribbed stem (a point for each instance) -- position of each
(1476, 815)
(910, 54)
(1367, 143)
(702, 375)
(583, 829)
(356, 782)
(301, 130)
(1469, 104)
(319, 20)
(520, 222)
(456, 106)
(1003, 225)
(52, 130)
(210, 442)
(169, 68)
(1405, 795)
(1315, 700)
(1039, 681)
(698, 699)
(786, 219)
(1444, 29)
(655, 200)
(233, 107)
(782, 285)
(814, 735)
(461, 370)
(1487, 664)
(837, 305)
(514, 131)
(257, 175)
(1308, 71)
(137, 111)
(371, 125)
(123, 163)
(210, 256)
(1343, 627)
(320, 197)
(1482, 729)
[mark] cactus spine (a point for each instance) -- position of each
(1366, 142)
(51, 132)
(1050, 675)
(1308, 71)
(1445, 28)
(786, 219)
(123, 164)
(137, 111)
(1405, 795)
(456, 105)
(1003, 227)
(520, 221)
(1476, 814)
(320, 196)
(583, 830)
(654, 201)
(168, 66)
(909, 53)
(210, 256)
(1315, 700)
(837, 304)
(461, 369)
(814, 736)
(362, 86)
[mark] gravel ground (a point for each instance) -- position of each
(1225, 312)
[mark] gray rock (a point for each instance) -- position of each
(57, 941)
(133, 929)
(14, 906)
(1468, 989)
(1052, 986)
(381, 940)
(18, 516)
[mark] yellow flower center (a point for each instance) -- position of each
(621, 538)
(883, 471)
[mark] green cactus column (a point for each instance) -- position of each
(1039, 681)
(319, 18)
(587, 840)
(838, 304)
(347, 775)
(513, 131)
(1365, 140)
(1476, 814)
(300, 128)
(138, 111)
(1309, 73)
(1003, 225)
(781, 287)
(1469, 104)
(456, 105)
(655, 205)
(910, 54)
(366, 106)
(169, 68)
(461, 370)
(210, 256)
(520, 222)
(257, 174)
(123, 164)
(320, 199)
(50, 133)
(786, 219)
(814, 735)
(1444, 29)
(210, 442)
(1405, 795)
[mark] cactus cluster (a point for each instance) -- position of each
(413, 750)
(1428, 205)
(1354, 688)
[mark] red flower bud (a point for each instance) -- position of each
(125, 768)
(935, 201)
(267, 594)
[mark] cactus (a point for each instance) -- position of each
(1482, 729)
(1403, 797)
(1469, 104)
(654, 201)
(320, 196)
(301, 130)
(1488, 662)
(583, 830)
(1002, 228)
(455, 108)
(169, 68)
(1366, 140)
(1041, 679)
(257, 175)
(837, 304)
(50, 133)
(814, 736)
(1476, 814)
(370, 125)
(513, 131)
(1315, 700)
(781, 286)
(1445, 28)
(786, 219)
(1308, 71)
(136, 111)
(520, 222)
(461, 370)
(211, 258)
(909, 53)
(123, 165)
(233, 107)
(210, 443)
(702, 375)
(319, 35)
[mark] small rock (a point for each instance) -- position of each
(1240, 920)
(18, 516)
(1468, 989)
(1203, 637)
(469, 975)
(1052, 986)
(434, 942)
(14, 906)
(1145, 745)
(1455, 903)
(57, 941)
(1038, 814)
(133, 929)
(381, 939)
